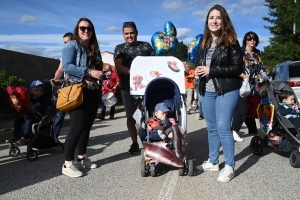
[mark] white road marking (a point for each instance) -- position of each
(168, 188)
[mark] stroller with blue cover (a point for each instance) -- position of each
(278, 131)
(164, 90)
(42, 131)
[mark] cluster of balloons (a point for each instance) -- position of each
(165, 42)
(193, 48)
(18, 97)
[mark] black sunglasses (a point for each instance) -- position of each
(88, 28)
(250, 38)
(128, 23)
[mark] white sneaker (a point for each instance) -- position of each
(85, 163)
(226, 174)
(208, 166)
(236, 137)
(71, 171)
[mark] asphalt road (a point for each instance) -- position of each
(269, 176)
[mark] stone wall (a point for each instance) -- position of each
(26, 66)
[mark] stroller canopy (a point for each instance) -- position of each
(162, 90)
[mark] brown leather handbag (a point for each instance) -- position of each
(69, 98)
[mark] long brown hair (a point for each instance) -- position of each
(93, 43)
(227, 36)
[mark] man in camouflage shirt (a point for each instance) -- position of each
(123, 56)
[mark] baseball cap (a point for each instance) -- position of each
(36, 83)
(162, 107)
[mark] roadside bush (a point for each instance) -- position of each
(5, 80)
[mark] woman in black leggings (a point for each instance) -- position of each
(82, 61)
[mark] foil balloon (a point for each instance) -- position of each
(165, 42)
(18, 97)
(170, 29)
(193, 47)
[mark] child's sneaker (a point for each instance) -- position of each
(85, 163)
(71, 170)
(208, 166)
(13, 139)
(22, 141)
(226, 174)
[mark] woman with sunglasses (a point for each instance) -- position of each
(82, 62)
(253, 66)
(219, 63)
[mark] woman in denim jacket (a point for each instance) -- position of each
(82, 61)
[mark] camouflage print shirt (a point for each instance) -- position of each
(127, 53)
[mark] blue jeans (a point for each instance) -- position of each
(200, 105)
(218, 111)
(27, 122)
(57, 124)
(111, 112)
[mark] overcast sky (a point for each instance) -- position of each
(37, 26)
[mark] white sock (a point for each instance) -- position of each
(69, 164)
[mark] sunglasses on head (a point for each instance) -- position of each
(128, 23)
(88, 28)
(251, 38)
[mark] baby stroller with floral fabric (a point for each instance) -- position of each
(278, 131)
(164, 90)
(42, 131)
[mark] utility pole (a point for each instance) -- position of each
(294, 26)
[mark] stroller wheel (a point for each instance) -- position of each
(257, 145)
(14, 151)
(32, 156)
(143, 164)
(191, 168)
(152, 169)
(295, 159)
(181, 171)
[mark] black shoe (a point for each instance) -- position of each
(201, 117)
(101, 117)
(111, 117)
(170, 144)
(134, 148)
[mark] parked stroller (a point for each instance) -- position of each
(42, 132)
(157, 91)
(274, 124)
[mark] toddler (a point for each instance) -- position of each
(160, 126)
(37, 104)
(288, 109)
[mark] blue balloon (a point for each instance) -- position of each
(170, 29)
(193, 48)
(165, 42)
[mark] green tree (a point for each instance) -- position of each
(180, 52)
(285, 43)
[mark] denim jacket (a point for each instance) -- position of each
(74, 60)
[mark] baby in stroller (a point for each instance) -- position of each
(33, 114)
(288, 108)
(38, 121)
(160, 126)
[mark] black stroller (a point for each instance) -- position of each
(280, 126)
(42, 132)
